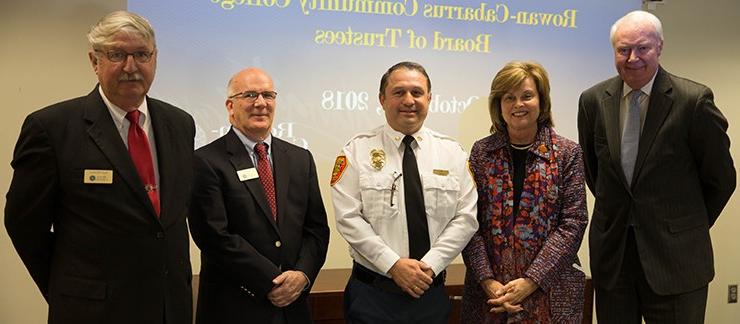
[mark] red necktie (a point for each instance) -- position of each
(138, 148)
(265, 172)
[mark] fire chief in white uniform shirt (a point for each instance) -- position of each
(389, 284)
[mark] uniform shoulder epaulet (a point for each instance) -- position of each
(442, 136)
(362, 135)
(446, 138)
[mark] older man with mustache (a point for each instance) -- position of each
(97, 205)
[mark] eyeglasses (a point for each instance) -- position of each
(120, 56)
(252, 95)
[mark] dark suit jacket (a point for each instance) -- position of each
(242, 249)
(683, 177)
(97, 252)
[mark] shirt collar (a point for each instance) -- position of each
(645, 89)
(249, 144)
(397, 137)
(119, 114)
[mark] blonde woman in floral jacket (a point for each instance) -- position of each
(522, 263)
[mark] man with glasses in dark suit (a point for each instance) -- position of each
(257, 215)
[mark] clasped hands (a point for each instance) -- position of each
(508, 298)
(413, 276)
(287, 287)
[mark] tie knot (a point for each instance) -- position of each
(133, 116)
(408, 139)
(261, 149)
(635, 95)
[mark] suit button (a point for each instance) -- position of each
(278, 244)
(160, 235)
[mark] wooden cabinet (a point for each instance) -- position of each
(327, 295)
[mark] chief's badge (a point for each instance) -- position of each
(377, 159)
(339, 166)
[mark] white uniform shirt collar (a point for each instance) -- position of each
(397, 137)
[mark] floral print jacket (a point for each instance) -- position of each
(541, 241)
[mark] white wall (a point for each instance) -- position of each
(43, 61)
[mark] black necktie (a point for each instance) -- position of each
(416, 216)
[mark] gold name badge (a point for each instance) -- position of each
(247, 174)
(98, 177)
(441, 172)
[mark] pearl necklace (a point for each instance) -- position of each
(521, 147)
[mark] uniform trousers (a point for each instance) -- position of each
(366, 304)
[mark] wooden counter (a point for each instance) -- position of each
(326, 297)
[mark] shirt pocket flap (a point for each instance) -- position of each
(444, 183)
(376, 181)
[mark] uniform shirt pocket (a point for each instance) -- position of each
(440, 196)
(376, 191)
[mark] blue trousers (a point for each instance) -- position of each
(365, 304)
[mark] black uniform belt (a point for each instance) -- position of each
(384, 283)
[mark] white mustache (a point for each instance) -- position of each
(131, 77)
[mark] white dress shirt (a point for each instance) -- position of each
(145, 122)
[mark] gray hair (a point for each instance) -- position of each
(638, 16)
(102, 33)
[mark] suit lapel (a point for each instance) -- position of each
(281, 162)
(658, 108)
(240, 160)
(103, 132)
(611, 103)
(164, 130)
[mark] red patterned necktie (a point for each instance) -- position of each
(265, 172)
(138, 148)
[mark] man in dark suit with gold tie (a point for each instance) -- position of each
(658, 163)
(96, 208)
(257, 215)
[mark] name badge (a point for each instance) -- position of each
(98, 177)
(247, 174)
(441, 172)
